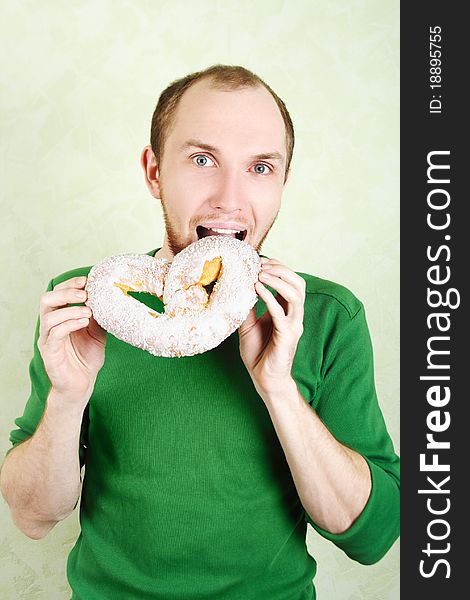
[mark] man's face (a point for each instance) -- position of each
(223, 166)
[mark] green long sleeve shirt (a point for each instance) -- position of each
(187, 494)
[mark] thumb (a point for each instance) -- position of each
(249, 322)
(96, 330)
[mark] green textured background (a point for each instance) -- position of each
(79, 83)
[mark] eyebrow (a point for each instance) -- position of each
(193, 143)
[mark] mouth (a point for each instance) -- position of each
(239, 234)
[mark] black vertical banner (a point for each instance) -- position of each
(435, 357)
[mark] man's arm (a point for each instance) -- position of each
(347, 497)
(40, 478)
(333, 482)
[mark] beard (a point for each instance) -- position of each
(177, 242)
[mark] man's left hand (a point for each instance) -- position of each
(268, 344)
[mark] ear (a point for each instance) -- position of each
(149, 165)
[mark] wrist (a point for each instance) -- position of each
(59, 403)
(278, 390)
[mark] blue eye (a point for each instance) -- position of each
(261, 169)
(201, 160)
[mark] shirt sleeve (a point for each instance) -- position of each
(34, 409)
(346, 402)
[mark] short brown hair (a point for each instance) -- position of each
(230, 77)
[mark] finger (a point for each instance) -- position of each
(96, 331)
(58, 333)
(60, 297)
(285, 274)
(73, 282)
(292, 298)
(285, 305)
(276, 311)
(249, 321)
(55, 317)
(285, 288)
(273, 261)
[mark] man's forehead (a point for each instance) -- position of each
(210, 113)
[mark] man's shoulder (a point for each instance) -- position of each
(80, 272)
(333, 293)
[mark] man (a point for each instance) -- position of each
(202, 472)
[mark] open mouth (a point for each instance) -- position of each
(235, 233)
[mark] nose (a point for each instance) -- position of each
(228, 195)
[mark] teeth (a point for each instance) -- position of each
(225, 230)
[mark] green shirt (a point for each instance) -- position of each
(187, 494)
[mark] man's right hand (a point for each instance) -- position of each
(71, 342)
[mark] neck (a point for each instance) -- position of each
(165, 250)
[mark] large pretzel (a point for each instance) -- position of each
(208, 291)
